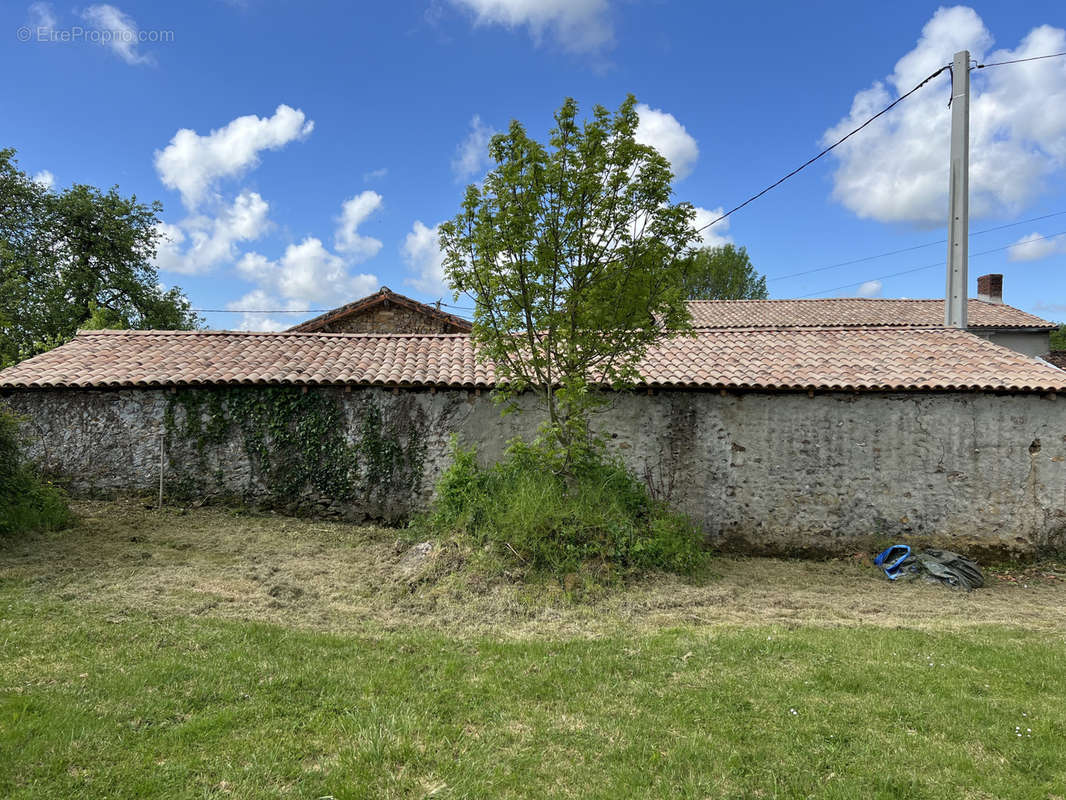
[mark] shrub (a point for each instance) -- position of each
(26, 501)
(547, 515)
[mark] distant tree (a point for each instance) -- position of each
(723, 273)
(72, 255)
(1058, 338)
(573, 255)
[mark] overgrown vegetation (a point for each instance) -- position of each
(297, 442)
(27, 502)
(540, 512)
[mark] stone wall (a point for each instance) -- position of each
(778, 472)
(390, 319)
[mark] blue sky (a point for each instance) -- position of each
(304, 151)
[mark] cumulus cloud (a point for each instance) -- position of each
(117, 31)
(257, 301)
(1036, 246)
(579, 26)
(472, 155)
(870, 289)
(193, 164)
(211, 240)
(421, 251)
(715, 235)
(45, 179)
(307, 273)
(663, 132)
(353, 213)
(897, 169)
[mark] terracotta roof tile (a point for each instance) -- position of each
(381, 296)
(857, 311)
(741, 358)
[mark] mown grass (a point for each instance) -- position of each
(106, 692)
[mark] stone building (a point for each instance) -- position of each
(384, 312)
(989, 317)
(788, 438)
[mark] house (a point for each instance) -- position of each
(989, 317)
(385, 311)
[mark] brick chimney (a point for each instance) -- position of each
(990, 288)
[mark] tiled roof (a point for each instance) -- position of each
(381, 296)
(857, 311)
(749, 358)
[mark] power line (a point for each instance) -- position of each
(1020, 60)
(912, 248)
(929, 266)
(882, 112)
(755, 197)
(260, 310)
(831, 147)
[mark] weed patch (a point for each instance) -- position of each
(587, 518)
(27, 501)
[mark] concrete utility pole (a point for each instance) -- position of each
(959, 204)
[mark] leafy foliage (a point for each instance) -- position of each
(74, 256)
(1058, 338)
(27, 503)
(723, 273)
(572, 255)
(562, 517)
(295, 441)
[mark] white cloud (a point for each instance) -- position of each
(1035, 247)
(870, 289)
(375, 175)
(663, 132)
(45, 179)
(421, 251)
(192, 164)
(212, 240)
(308, 273)
(472, 155)
(353, 213)
(580, 26)
(715, 235)
(897, 169)
(117, 31)
(257, 300)
(42, 19)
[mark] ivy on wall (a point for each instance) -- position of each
(297, 443)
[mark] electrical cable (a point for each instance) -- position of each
(929, 266)
(827, 150)
(909, 249)
(1020, 60)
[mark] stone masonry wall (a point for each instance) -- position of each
(393, 319)
(781, 472)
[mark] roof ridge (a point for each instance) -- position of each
(281, 334)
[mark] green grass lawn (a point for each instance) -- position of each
(117, 682)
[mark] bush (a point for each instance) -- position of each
(27, 503)
(592, 513)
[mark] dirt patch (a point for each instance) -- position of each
(335, 576)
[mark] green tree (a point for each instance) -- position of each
(72, 255)
(573, 256)
(723, 273)
(1058, 338)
